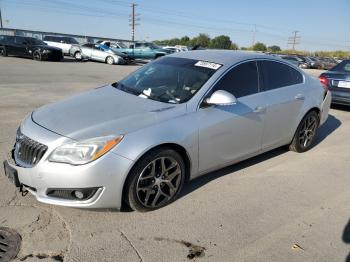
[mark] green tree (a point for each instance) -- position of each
(234, 46)
(259, 47)
(221, 42)
(174, 41)
(185, 40)
(274, 48)
(202, 40)
(244, 48)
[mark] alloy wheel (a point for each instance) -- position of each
(78, 56)
(159, 182)
(110, 60)
(308, 130)
(37, 56)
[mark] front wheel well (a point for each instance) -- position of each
(176, 147)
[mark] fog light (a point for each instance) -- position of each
(78, 194)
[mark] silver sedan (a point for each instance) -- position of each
(96, 52)
(140, 140)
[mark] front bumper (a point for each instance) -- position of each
(107, 174)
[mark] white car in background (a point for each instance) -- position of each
(176, 48)
(63, 42)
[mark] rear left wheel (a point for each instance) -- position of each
(3, 51)
(155, 181)
(306, 132)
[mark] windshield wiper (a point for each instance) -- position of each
(126, 89)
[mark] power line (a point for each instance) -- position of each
(133, 21)
(294, 40)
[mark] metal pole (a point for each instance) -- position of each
(0, 19)
(133, 22)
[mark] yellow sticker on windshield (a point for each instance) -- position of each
(208, 65)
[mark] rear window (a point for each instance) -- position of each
(342, 67)
(277, 75)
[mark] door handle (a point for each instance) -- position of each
(300, 97)
(259, 109)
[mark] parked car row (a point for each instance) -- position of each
(55, 47)
(138, 50)
(308, 62)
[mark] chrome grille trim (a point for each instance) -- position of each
(27, 151)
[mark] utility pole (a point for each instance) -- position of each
(133, 21)
(0, 19)
(254, 34)
(294, 40)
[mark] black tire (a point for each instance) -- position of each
(305, 133)
(37, 56)
(78, 56)
(109, 60)
(138, 185)
(3, 51)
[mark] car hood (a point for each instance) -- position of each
(103, 111)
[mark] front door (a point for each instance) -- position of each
(230, 133)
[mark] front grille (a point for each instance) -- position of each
(27, 151)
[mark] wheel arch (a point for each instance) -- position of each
(316, 109)
(174, 146)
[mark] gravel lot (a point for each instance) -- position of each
(281, 206)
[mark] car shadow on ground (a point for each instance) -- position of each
(341, 107)
(324, 131)
(346, 238)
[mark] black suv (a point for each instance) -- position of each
(28, 47)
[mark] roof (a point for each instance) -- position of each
(224, 57)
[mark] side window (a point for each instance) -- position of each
(20, 40)
(241, 80)
(278, 75)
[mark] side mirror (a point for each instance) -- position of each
(222, 98)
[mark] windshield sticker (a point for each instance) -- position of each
(208, 65)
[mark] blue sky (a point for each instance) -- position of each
(322, 25)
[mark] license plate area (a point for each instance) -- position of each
(11, 174)
(344, 84)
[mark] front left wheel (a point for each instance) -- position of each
(155, 181)
(110, 60)
(37, 56)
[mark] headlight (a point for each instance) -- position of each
(46, 51)
(83, 152)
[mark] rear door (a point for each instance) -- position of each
(228, 133)
(20, 46)
(98, 53)
(87, 50)
(284, 89)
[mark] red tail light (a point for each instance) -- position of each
(325, 82)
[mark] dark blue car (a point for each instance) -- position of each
(337, 79)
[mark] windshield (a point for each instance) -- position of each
(121, 45)
(169, 80)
